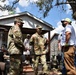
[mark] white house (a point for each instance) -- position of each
(30, 22)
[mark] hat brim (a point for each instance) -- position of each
(39, 28)
(63, 21)
(19, 21)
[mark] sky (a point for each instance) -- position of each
(54, 17)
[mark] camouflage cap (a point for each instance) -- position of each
(38, 26)
(19, 20)
(66, 19)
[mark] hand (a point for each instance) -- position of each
(45, 52)
(6, 56)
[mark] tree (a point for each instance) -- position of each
(10, 8)
(73, 6)
(47, 5)
(44, 5)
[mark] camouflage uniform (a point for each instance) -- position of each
(15, 48)
(39, 51)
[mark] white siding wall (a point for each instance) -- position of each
(54, 46)
(28, 22)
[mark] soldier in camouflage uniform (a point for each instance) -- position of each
(38, 43)
(15, 46)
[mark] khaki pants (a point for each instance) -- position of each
(69, 60)
(43, 62)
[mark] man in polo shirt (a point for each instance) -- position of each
(68, 47)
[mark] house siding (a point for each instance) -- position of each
(54, 46)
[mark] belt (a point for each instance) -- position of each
(15, 55)
(68, 46)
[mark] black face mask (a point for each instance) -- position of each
(63, 24)
(21, 26)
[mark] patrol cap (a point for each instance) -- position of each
(66, 19)
(19, 20)
(38, 26)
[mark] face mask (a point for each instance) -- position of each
(21, 25)
(63, 25)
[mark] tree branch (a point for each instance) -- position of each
(71, 2)
(15, 2)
